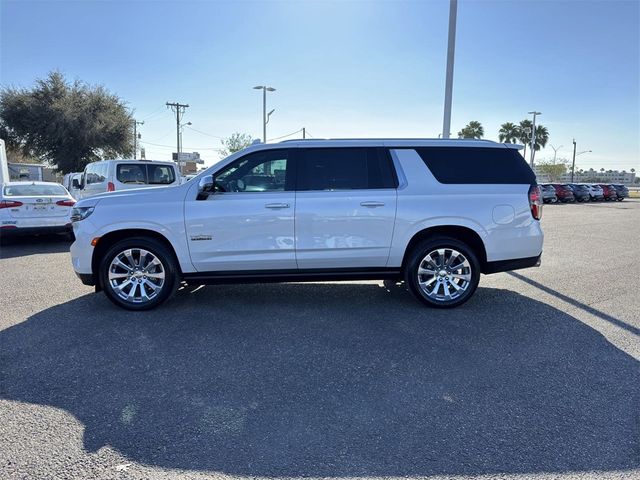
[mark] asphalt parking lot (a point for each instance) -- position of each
(537, 376)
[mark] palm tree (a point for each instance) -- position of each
(524, 134)
(508, 133)
(542, 137)
(473, 130)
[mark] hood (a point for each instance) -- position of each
(133, 195)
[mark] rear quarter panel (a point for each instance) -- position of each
(499, 214)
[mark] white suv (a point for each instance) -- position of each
(435, 213)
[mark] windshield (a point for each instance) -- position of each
(34, 190)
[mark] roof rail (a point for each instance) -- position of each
(387, 139)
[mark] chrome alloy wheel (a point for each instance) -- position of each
(444, 274)
(136, 275)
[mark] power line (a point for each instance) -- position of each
(172, 146)
(204, 133)
(284, 136)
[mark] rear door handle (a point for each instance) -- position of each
(276, 205)
(372, 204)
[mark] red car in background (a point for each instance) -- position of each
(564, 193)
(609, 192)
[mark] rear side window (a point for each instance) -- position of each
(96, 173)
(141, 173)
(160, 174)
(345, 169)
(477, 165)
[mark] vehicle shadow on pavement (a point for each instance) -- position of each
(33, 245)
(332, 380)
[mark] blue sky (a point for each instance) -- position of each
(345, 69)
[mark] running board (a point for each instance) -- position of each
(280, 276)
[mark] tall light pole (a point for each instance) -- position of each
(533, 135)
(555, 151)
(451, 50)
(265, 118)
(573, 163)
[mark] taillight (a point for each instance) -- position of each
(535, 201)
(111, 187)
(10, 204)
(66, 203)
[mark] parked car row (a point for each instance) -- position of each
(582, 192)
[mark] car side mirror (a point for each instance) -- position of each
(205, 187)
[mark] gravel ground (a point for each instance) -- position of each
(536, 377)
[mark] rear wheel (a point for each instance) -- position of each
(138, 273)
(442, 272)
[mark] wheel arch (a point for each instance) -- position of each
(464, 234)
(110, 238)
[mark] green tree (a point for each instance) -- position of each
(553, 170)
(236, 142)
(473, 129)
(524, 134)
(509, 133)
(66, 124)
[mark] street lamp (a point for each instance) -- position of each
(451, 51)
(573, 164)
(555, 151)
(533, 135)
(265, 118)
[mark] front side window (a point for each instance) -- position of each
(351, 168)
(264, 171)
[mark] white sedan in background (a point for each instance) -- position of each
(34, 207)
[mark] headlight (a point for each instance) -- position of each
(80, 213)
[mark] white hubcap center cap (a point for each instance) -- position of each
(442, 273)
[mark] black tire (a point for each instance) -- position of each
(168, 264)
(418, 254)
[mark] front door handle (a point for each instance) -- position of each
(372, 204)
(276, 205)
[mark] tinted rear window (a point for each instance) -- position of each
(34, 190)
(345, 169)
(144, 173)
(477, 165)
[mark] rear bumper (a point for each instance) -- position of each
(513, 264)
(19, 231)
(86, 278)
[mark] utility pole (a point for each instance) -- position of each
(178, 109)
(573, 163)
(135, 137)
(533, 136)
(451, 50)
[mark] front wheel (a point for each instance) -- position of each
(442, 272)
(138, 273)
